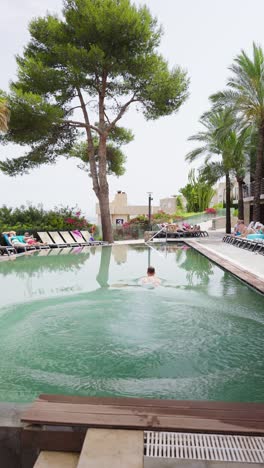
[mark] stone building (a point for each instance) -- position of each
(121, 212)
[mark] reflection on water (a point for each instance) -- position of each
(44, 261)
(120, 254)
(102, 277)
(66, 328)
(198, 267)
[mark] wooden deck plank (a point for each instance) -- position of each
(151, 411)
(176, 423)
(124, 413)
(104, 448)
(57, 460)
(150, 402)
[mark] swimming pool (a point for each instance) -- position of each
(80, 324)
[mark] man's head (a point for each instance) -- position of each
(151, 271)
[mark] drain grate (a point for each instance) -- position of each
(204, 447)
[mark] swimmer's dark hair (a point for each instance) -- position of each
(151, 270)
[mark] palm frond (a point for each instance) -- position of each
(194, 154)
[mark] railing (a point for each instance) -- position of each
(249, 189)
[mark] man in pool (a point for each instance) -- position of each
(150, 279)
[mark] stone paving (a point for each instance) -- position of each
(251, 261)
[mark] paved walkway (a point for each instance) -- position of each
(251, 261)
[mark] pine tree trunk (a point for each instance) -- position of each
(240, 199)
(99, 177)
(228, 203)
(103, 195)
(258, 174)
(103, 198)
(103, 274)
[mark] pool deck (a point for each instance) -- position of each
(246, 265)
(108, 432)
(147, 414)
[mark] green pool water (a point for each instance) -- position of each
(79, 323)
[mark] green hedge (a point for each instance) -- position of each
(32, 219)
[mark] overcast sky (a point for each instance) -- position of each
(202, 36)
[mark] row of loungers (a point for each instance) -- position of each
(180, 234)
(67, 239)
(255, 245)
(52, 240)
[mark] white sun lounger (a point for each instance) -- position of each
(86, 235)
(58, 239)
(44, 237)
(79, 239)
(69, 239)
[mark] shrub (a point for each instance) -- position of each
(141, 219)
(210, 211)
(32, 219)
(218, 206)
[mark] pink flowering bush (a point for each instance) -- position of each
(210, 211)
(36, 218)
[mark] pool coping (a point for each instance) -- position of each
(253, 280)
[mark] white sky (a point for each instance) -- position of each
(202, 36)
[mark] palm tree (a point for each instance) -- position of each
(245, 93)
(4, 115)
(239, 161)
(238, 143)
(215, 145)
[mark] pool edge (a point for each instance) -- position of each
(239, 272)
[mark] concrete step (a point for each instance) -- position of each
(57, 460)
(112, 448)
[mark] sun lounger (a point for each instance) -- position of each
(86, 235)
(47, 239)
(66, 236)
(19, 247)
(59, 240)
(4, 249)
(79, 238)
(253, 245)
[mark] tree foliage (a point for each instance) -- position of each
(245, 93)
(33, 218)
(225, 138)
(82, 72)
(198, 193)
